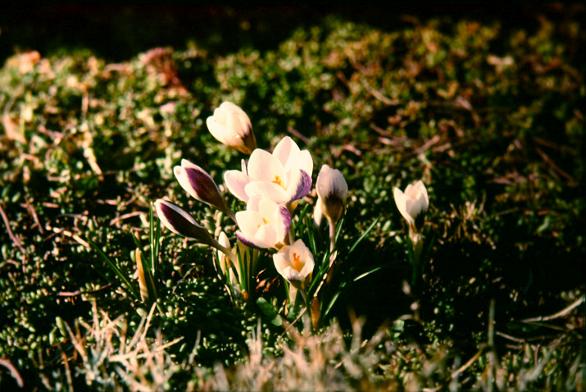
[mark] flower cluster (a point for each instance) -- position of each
(271, 184)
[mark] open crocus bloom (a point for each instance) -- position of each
(199, 184)
(231, 126)
(412, 202)
(264, 223)
(294, 262)
(283, 176)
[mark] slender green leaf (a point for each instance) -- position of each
(110, 263)
(363, 236)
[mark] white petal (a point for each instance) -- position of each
(292, 181)
(223, 240)
(220, 132)
(317, 212)
(267, 189)
(265, 237)
(411, 191)
(236, 182)
(305, 162)
(401, 202)
(262, 166)
(287, 152)
(248, 222)
(423, 195)
(280, 260)
(253, 202)
(181, 177)
(413, 207)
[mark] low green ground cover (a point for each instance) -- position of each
(491, 119)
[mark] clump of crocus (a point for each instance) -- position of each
(231, 126)
(271, 184)
(332, 190)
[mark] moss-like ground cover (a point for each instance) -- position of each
(491, 119)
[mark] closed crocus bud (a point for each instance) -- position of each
(200, 185)
(412, 202)
(332, 190)
(180, 222)
(294, 262)
(231, 126)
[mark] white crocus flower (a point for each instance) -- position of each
(231, 126)
(200, 185)
(412, 202)
(264, 223)
(332, 191)
(283, 176)
(294, 262)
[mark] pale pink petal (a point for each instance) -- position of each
(286, 152)
(249, 221)
(266, 189)
(401, 202)
(236, 182)
(305, 162)
(262, 166)
(317, 212)
(265, 237)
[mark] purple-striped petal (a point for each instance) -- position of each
(303, 187)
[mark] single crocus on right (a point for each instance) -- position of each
(412, 203)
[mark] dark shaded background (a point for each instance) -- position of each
(118, 32)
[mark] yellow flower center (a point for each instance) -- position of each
(279, 181)
(296, 262)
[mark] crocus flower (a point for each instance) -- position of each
(294, 262)
(283, 176)
(332, 190)
(412, 202)
(264, 223)
(180, 222)
(231, 126)
(200, 185)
